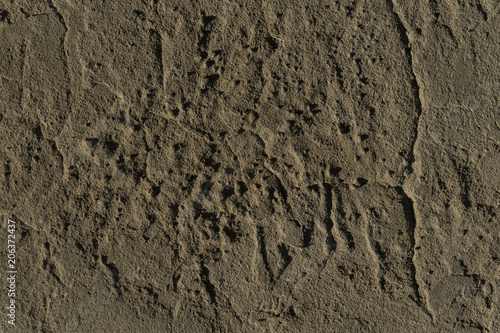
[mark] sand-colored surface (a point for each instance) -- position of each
(251, 166)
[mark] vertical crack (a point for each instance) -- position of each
(63, 22)
(115, 274)
(212, 293)
(24, 51)
(407, 200)
(409, 211)
(156, 39)
(208, 284)
(65, 59)
(403, 29)
(263, 252)
(330, 240)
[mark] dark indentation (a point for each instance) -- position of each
(340, 76)
(211, 79)
(38, 132)
(178, 146)
(308, 232)
(242, 188)
(213, 147)
(205, 277)
(203, 43)
(175, 112)
(198, 208)
(335, 171)
(233, 235)
(230, 171)
(150, 97)
(209, 216)
(330, 240)
(52, 269)
(282, 192)
(285, 255)
(80, 247)
(73, 172)
(45, 264)
(363, 137)
(155, 39)
(139, 175)
(344, 128)
(263, 251)
(464, 268)
(314, 188)
(111, 146)
(227, 192)
(360, 182)
(348, 235)
(206, 187)
(215, 226)
(208, 19)
(208, 160)
(5, 16)
(271, 41)
(297, 112)
(156, 45)
(308, 120)
(380, 252)
(216, 167)
(409, 211)
(313, 108)
(383, 283)
(91, 142)
(155, 190)
(342, 270)
(190, 177)
(139, 14)
(151, 292)
(481, 10)
(464, 174)
(271, 193)
(114, 271)
(291, 312)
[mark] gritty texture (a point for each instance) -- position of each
(251, 166)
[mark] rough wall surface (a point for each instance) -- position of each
(251, 166)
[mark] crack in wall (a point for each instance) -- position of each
(61, 19)
(403, 29)
(408, 201)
